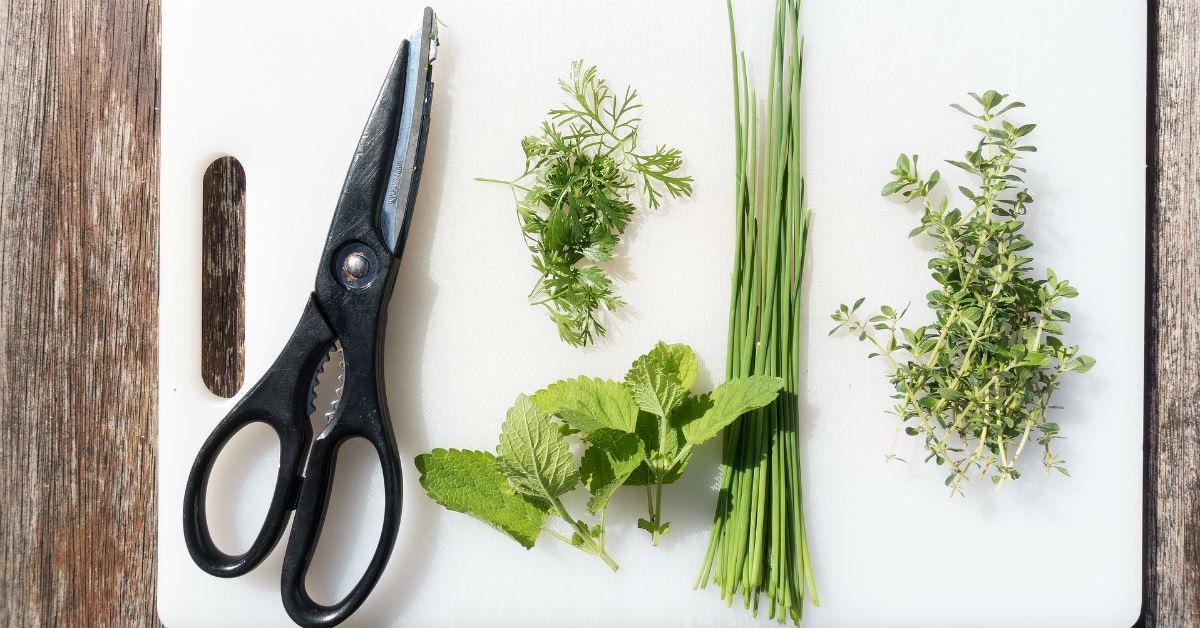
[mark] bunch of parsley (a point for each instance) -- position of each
(573, 199)
(637, 432)
(975, 383)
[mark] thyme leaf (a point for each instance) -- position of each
(975, 383)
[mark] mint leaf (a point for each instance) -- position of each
(469, 482)
(729, 401)
(656, 388)
(610, 457)
(588, 404)
(533, 454)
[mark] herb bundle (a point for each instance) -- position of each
(573, 198)
(637, 432)
(758, 544)
(975, 383)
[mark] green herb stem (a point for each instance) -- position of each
(586, 542)
(757, 545)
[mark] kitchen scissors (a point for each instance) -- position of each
(348, 306)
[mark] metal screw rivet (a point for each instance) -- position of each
(356, 266)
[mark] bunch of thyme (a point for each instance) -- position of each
(573, 198)
(975, 384)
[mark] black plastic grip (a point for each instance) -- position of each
(279, 400)
(306, 530)
(359, 417)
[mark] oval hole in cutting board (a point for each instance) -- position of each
(353, 521)
(223, 301)
(240, 487)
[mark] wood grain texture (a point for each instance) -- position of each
(78, 251)
(1172, 595)
(78, 311)
(223, 282)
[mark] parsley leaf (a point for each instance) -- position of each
(573, 199)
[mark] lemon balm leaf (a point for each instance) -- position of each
(588, 404)
(534, 455)
(470, 482)
(611, 456)
(655, 389)
(728, 402)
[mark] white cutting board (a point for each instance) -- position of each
(285, 86)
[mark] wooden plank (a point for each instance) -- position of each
(1172, 595)
(223, 284)
(78, 314)
(78, 311)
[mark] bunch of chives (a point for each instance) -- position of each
(757, 545)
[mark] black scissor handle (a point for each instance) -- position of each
(280, 400)
(361, 418)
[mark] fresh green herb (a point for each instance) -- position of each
(758, 544)
(573, 200)
(975, 383)
(637, 432)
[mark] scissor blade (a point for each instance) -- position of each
(405, 172)
(382, 180)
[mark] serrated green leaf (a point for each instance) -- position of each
(610, 457)
(655, 388)
(588, 404)
(533, 454)
(729, 401)
(471, 483)
(677, 360)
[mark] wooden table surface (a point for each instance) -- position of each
(78, 313)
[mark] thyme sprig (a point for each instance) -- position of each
(975, 384)
(573, 199)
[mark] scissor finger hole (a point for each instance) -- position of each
(353, 522)
(240, 487)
